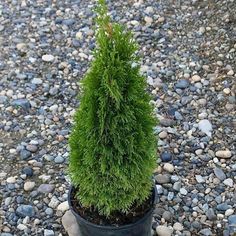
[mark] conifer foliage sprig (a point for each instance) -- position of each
(112, 145)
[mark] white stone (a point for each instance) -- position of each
(53, 108)
(48, 58)
(48, 232)
(64, 206)
(163, 231)
(229, 182)
(205, 126)
(196, 78)
(70, 224)
(11, 180)
(183, 191)
(21, 227)
(178, 227)
(36, 81)
(229, 212)
(169, 167)
(28, 186)
(148, 19)
(230, 73)
(200, 179)
(79, 35)
(223, 154)
(226, 91)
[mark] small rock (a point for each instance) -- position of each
(205, 232)
(64, 206)
(31, 148)
(11, 180)
(148, 19)
(211, 214)
(23, 103)
(219, 173)
(232, 220)
(183, 191)
(21, 227)
(24, 154)
(182, 84)
(177, 186)
(227, 91)
(229, 212)
(163, 231)
(166, 156)
(230, 72)
(169, 167)
(167, 122)
(162, 179)
(200, 179)
(25, 210)
(48, 232)
(196, 78)
(163, 135)
(178, 227)
(54, 202)
(167, 216)
(36, 81)
(223, 154)
(28, 171)
(48, 58)
(28, 186)
(70, 224)
(45, 188)
(223, 207)
(59, 160)
(205, 126)
(229, 182)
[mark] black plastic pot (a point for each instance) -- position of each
(142, 227)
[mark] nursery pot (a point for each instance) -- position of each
(142, 227)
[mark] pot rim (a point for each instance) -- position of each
(109, 227)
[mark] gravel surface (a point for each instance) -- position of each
(189, 58)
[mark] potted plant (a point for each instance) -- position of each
(112, 144)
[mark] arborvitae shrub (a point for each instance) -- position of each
(112, 144)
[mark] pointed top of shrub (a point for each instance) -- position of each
(113, 151)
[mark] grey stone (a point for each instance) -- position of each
(222, 207)
(45, 188)
(219, 173)
(70, 224)
(59, 160)
(232, 220)
(205, 126)
(177, 186)
(167, 215)
(162, 178)
(24, 154)
(211, 214)
(205, 232)
(3, 99)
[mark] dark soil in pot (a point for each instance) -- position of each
(117, 218)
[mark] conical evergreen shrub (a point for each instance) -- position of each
(112, 144)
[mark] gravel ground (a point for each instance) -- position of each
(188, 50)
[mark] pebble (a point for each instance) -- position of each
(31, 148)
(59, 160)
(70, 224)
(48, 58)
(205, 126)
(162, 230)
(24, 154)
(11, 180)
(228, 182)
(148, 19)
(166, 156)
(163, 135)
(229, 212)
(200, 179)
(219, 173)
(182, 84)
(169, 167)
(46, 188)
(227, 91)
(183, 191)
(25, 210)
(162, 178)
(196, 78)
(36, 81)
(48, 232)
(23, 103)
(178, 227)
(223, 154)
(28, 186)
(64, 206)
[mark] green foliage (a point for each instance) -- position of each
(112, 144)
